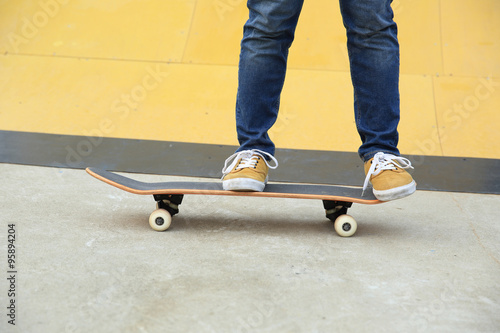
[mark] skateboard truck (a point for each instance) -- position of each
(336, 211)
(167, 205)
(169, 202)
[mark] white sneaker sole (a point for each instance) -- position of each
(243, 184)
(396, 193)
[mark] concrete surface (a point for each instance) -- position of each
(87, 261)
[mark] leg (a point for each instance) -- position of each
(268, 34)
(374, 59)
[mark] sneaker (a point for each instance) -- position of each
(247, 171)
(387, 174)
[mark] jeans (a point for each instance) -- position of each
(373, 50)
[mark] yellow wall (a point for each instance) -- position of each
(167, 70)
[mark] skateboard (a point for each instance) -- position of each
(168, 196)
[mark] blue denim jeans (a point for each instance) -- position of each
(374, 61)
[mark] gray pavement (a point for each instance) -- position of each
(87, 261)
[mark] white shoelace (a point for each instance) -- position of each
(249, 159)
(381, 162)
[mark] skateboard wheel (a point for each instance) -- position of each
(345, 225)
(160, 220)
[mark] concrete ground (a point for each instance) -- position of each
(87, 261)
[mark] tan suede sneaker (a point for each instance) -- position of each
(388, 177)
(247, 171)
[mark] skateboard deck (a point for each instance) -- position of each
(169, 195)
